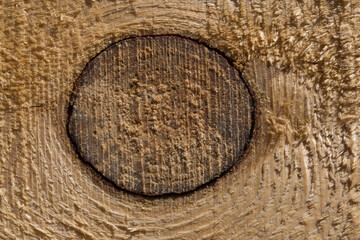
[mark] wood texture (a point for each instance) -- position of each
(160, 114)
(300, 178)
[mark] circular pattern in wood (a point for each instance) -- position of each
(160, 114)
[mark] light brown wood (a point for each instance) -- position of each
(160, 114)
(300, 178)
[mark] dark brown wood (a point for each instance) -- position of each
(160, 114)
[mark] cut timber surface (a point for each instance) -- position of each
(160, 114)
(299, 178)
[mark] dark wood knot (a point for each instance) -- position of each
(160, 114)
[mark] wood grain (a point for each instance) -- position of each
(300, 178)
(160, 114)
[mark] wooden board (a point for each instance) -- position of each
(300, 177)
(160, 114)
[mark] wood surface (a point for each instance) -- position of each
(300, 177)
(160, 114)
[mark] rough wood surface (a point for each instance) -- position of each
(160, 114)
(300, 179)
